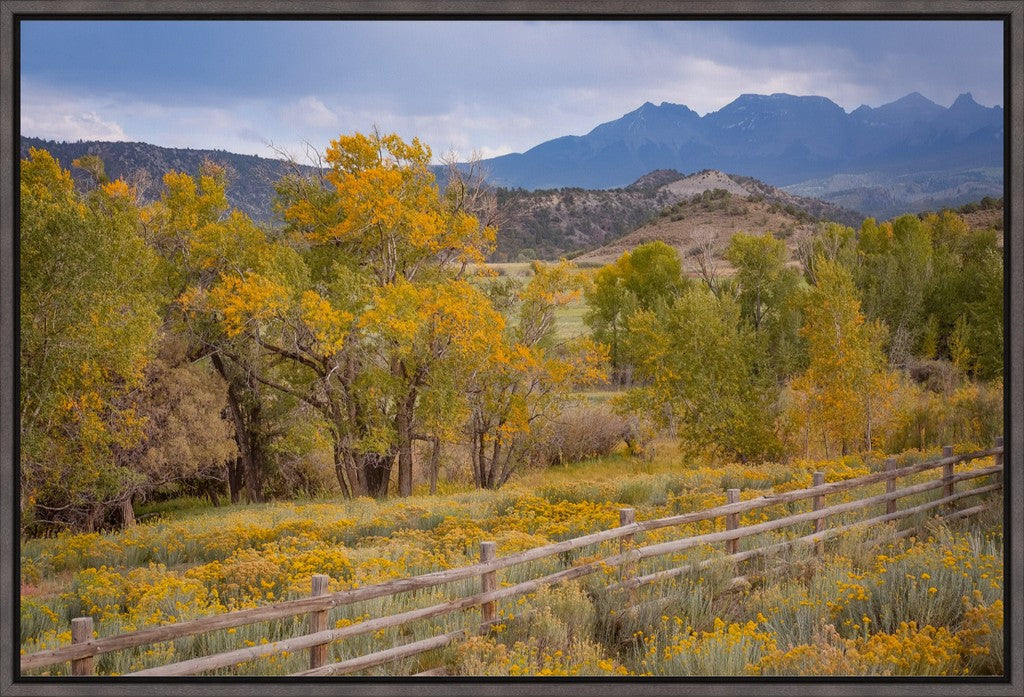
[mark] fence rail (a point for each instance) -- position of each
(82, 652)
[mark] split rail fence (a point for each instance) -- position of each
(85, 647)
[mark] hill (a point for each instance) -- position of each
(707, 221)
(549, 223)
(545, 224)
(910, 154)
(251, 186)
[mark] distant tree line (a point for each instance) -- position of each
(813, 357)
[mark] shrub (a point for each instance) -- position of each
(579, 434)
(971, 414)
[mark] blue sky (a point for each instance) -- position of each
(493, 87)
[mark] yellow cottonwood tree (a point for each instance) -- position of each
(223, 276)
(843, 393)
(383, 320)
(527, 377)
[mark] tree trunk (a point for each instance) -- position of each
(92, 518)
(493, 474)
(245, 470)
(212, 493)
(376, 469)
(236, 478)
(340, 467)
(474, 457)
(435, 463)
(127, 513)
(403, 429)
(485, 469)
(253, 480)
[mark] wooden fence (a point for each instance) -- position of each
(84, 648)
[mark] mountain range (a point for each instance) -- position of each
(538, 224)
(910, 154)
(576, 193)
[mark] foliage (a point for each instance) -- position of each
(186, 438)
(216, 263)
(580, 433)
(528, 376)
(88, 322)
(893, 275)
(646, 278)
(841, 398)
(698, 361)
(769, 297)
(966, 295)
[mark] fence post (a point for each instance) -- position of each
(318, 623)
(890, 485)
(488, 581)
(818, 502)
(947, 474)
(627, 516)
(998, 461)
(81, 632)
(732, 521)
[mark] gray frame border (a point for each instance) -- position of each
(1014, 384)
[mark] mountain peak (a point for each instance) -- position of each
(912, 99)
(964, 100)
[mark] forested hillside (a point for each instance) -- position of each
(543, 224)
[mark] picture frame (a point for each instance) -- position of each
(1011, 11)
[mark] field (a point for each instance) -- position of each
(930, 605)
(569, 317)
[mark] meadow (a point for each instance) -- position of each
(927, 605)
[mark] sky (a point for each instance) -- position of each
(489, 87)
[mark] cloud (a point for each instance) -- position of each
(248, 134)
(309, 111)
(493, 87)
(69, 126)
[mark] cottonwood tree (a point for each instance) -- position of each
(528, 375)
(645, 278)
(185, 438)
(217, 264)
(698, 361)
(88, 323)
(893, 277)
(842, 396)
(384, 315)
(769, 297)
(966, 288)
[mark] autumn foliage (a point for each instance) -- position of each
(357, 343)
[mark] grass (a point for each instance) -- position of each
(195, 561)
(569, 319)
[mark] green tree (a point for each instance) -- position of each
(88, 323)
(646, 278)
(830, 242)
(769, 297)
(698, 362)
(967, 286)
(893, 277)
